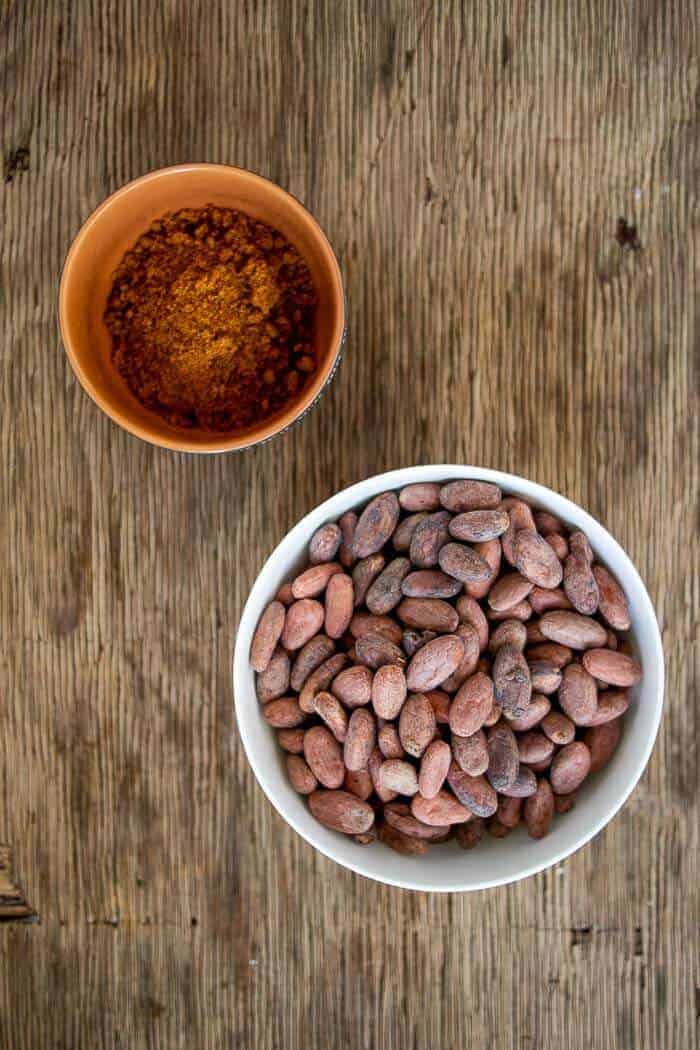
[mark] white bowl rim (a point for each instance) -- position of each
(361, 492)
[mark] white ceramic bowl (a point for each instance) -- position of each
(447, 868)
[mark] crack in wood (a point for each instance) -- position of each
(394, 108)
(13, 904)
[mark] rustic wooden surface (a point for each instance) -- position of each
(470, 163)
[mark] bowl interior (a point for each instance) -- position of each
(494, 862)
(115, 226)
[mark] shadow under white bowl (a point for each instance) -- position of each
(494, 862)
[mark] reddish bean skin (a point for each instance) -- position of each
(471, 706)
(537, 710)
(385, 592)
(534, 633)
(430, 614)
(474, 793)
(571, 629)
(401, 843)
(389, 741)
(497, 829)
(578, 695)
(434, 662)
(477, 526)
(560, 729)
(285, 594)
(395, 774)
(375, 651)
(520, 518)
(373, 766)
(412, 640)
(536, 560)
(360, 739)
(440, 703)
(546, 678)
(347, 524)
(353, 686)
(558, 545)
(403, 534)
(509, 591)
(471, 753)
(543, 600)
(613, 668)
(324, 544)
(341, 811)
(330, 710)
(463, 563)
(524, 785)
(468, 494)
(613, 604)
(388, 691)
(324, 757)
(428, 539)
(559, 655)
(569, 768)
(503, 756)
(433, 768)
(422, 495)
(430, 583)
(283, 713)
(470, 612)
(490, 551)
(602, 742)
(494, 716)
(469, 661)
(363, 624)
(311, 656)
(538, 810)
(508, 632)
(320, 679)
(340, 604)
(416, 724)
(563, 803)
(364, 573)
(611, 705)
(399, 815)
(375, 525)
(534, 747)
(469, 835)
(547, 523)
(301, 778)
(511, 680)
(267, 635)
(580, 585)
(273, 682)
(303, 620)
(358, 783)
(440, 810)
(291, 740)
(508, 811)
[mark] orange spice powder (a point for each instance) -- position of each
(211, 318)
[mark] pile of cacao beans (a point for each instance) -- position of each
(450, 662)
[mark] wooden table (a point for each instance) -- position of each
(470, 163)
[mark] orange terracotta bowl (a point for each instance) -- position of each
(114, 228)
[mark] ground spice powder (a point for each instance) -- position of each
(211, 318)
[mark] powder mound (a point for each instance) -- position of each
(211, 318)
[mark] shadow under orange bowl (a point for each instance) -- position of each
(113, 229)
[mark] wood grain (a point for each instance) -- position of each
(470, 163)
